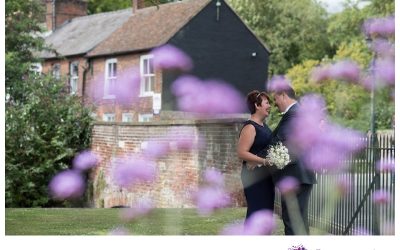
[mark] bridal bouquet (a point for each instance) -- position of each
(278, 155)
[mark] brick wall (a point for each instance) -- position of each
(179, 172)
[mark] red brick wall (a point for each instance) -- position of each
(178, 173)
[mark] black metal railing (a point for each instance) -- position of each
(351, 210)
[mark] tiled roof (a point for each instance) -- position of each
(82, 34)
(150, 27)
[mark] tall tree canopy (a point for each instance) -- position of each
(293, 30)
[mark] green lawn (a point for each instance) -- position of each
(87, 221)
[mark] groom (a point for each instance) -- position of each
(285, 100)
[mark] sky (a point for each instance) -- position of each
(333, 6)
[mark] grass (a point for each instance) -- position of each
(88, 221)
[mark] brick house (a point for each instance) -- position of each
(91, 47)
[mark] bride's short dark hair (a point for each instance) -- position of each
(254, 97)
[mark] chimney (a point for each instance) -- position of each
(137, 4)
(60, 11)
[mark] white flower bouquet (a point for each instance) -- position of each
(278, 155)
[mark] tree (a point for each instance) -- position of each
(293, 30)
(45, 126)
(98, 6)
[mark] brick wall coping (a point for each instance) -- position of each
(227, 120)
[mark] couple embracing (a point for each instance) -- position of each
(258, 176)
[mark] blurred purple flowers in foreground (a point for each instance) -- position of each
(211, 196)
(132, 170)
(85, 160)
(320, 144)
(169, 57)
(381, 196)
(278, 83)
(343, 70)
(208, 97)
(381, 27)
(68, 184)
(261, 222)
(143, 207)
(288, 185)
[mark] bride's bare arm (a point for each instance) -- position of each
(245, 142)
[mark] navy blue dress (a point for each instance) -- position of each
(258, 186)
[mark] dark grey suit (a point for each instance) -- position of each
(295, 169)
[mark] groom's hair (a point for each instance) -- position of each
(289, 91)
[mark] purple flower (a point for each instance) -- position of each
(379, 26)
(209, 199)
(278, 83)
(361, 231)
(85, 160)
(383, 48)
(68, 184)
(214, 177)
(127, 87)
(133, 170)
(204, 97)
(320, 74)
(261, 222)
(387, 165)
(385, 71)
(142, 208)
(156, 149)
(169, 57)
(345, 70)
(381, 196)
(288, 185)
(321, 147)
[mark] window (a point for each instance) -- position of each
(74, 76)
(55, 71)
(36, 68)
(147, 75)
(127, 117)
(110, 78)
(145, 117)
(109, 117)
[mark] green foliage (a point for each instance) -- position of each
(98, 6)
(21, 23)
(44, 126)
(345, 26)
(348, 104)
(293, 30)
(42, 136)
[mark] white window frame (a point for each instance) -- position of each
(108, 117)
(108, 78)
(145, 117)
(73, 77)
(147, 74)
(56, 71)
(127, 117)
(36, 68)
